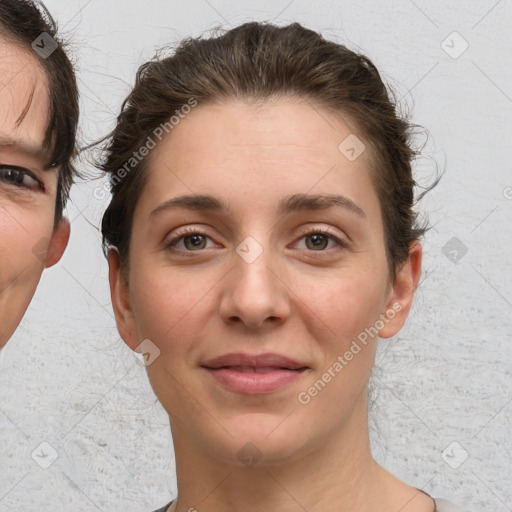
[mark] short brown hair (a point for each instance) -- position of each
(259, 61)
(22, 22)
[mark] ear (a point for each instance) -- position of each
(58, 243)
(401, 294)
(120, 295)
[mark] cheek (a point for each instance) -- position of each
(349, 305)
(346, 301)
(170, 303)
(174, 310)
(356, 306)
(24, 240)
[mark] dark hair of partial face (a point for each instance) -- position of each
(257, 62)
(21, 23)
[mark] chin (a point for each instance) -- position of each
(259, 439)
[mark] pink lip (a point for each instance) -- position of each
(254, 374)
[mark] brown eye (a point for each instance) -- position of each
(318, 241)
(197, 241)
(19, 177)
(188, 241)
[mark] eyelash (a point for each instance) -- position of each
(38, 185)
(191, 231)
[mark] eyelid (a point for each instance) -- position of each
(322, 229)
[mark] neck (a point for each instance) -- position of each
(338, 475)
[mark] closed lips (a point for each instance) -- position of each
(247, 363)
(255, 369)
(248, 374)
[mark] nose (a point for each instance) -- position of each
(255, 295)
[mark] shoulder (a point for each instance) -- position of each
(446, 506)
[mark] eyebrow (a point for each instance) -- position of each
(289, 204)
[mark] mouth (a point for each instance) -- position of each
(256, 369)
(265, 362)
(254, 374)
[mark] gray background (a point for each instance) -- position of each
(443, 388)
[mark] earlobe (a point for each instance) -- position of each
(119, 294)
(401, 293)
(58, 243)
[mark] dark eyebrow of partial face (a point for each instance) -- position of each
(289, 204)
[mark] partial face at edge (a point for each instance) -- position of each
(306, 296)
(28, 240)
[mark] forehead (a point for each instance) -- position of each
(24, 98)
(250, 152)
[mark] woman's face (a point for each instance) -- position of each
(246, 307)
(28, 240)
